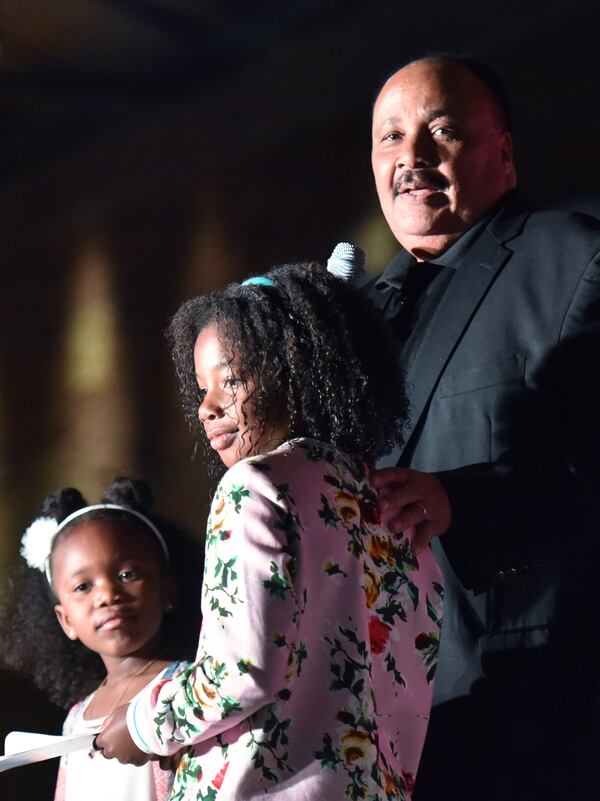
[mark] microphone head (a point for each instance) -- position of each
(347, 261)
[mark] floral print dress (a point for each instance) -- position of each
(318, 645)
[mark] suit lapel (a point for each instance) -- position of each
(433, 343)
(428, 352)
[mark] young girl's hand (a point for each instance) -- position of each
(115, 741)
(170, 762)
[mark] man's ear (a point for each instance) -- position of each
(63, 620)
(170, 594)
(507, 158)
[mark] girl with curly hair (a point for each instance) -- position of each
(313, 674)
(104, 600)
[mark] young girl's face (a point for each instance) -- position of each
(112, 588)
(225, 412)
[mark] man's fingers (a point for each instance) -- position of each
(389, 477)
(406, 516)
(395, 497)
(398, 499)
(410, 498)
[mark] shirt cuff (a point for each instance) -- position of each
(134, 716)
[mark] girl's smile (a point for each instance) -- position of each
(221, 439)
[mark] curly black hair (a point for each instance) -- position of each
(318, 353)
(31, 639)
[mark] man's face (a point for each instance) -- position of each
(441, 156)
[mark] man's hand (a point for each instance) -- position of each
(115, 741)
(409, 498)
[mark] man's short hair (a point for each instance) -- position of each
(479, 69)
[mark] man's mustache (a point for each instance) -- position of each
(418, 178)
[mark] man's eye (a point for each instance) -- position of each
(392, 136)
(445, 133)
(129, 575)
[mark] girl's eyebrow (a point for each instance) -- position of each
(81, 572)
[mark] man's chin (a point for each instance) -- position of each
(421, 221)
(426, 235)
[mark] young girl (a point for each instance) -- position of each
(320, 629)
(96, 606)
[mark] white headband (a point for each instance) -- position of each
(37, 540)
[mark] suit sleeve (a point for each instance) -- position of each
(539, 499)
(249, 613)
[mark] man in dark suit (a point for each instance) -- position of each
(496, 309)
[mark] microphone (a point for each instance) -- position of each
(347, 262)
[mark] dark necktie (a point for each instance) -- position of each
(406, 302)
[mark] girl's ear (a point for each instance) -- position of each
(170, 594)
(63, 620)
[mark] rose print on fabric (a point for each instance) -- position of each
(346, 507)
(379, 633)
(218, 780)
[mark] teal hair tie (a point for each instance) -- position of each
(259, 280)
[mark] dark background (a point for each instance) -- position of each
(154, 149)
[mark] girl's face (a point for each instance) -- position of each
(229, 421)
(112, 588)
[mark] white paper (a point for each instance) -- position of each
(17, 741)
(25, 748)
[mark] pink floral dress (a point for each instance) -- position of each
(313, 677)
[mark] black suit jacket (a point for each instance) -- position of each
(495, 377)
